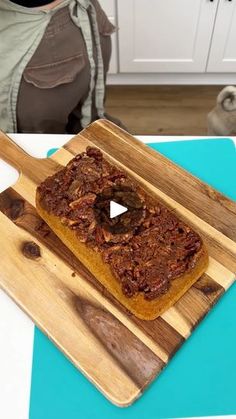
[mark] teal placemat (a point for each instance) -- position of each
(200, 380)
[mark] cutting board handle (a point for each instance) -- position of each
(14, 155)
(35, 169)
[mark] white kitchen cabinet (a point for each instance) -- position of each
(165, 36)
(222, 57)
(109, 6)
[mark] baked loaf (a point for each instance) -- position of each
(149, 265)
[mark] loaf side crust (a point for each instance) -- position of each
(92, 260)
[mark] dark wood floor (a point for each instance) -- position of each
(163, 110)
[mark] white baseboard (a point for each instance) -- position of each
(171, 78)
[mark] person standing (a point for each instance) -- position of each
(54, 60)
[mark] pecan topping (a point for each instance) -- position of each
(146, 257)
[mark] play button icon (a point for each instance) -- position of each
(116, 209)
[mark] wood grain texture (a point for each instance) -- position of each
(162, 110)
(68, 303)
(136, 359)
(34, 169)
(47, 291)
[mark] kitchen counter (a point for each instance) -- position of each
(20, 356)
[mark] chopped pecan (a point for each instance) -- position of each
(154, 248)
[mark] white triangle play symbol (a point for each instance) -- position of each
(116, 209)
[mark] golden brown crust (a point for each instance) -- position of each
(138, 305)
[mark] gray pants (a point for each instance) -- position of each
(56, 81)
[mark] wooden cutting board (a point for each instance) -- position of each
(117, 352)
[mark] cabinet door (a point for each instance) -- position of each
(223, 50)
(165, 36)
(109, 8)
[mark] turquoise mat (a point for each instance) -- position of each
(200, 380)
